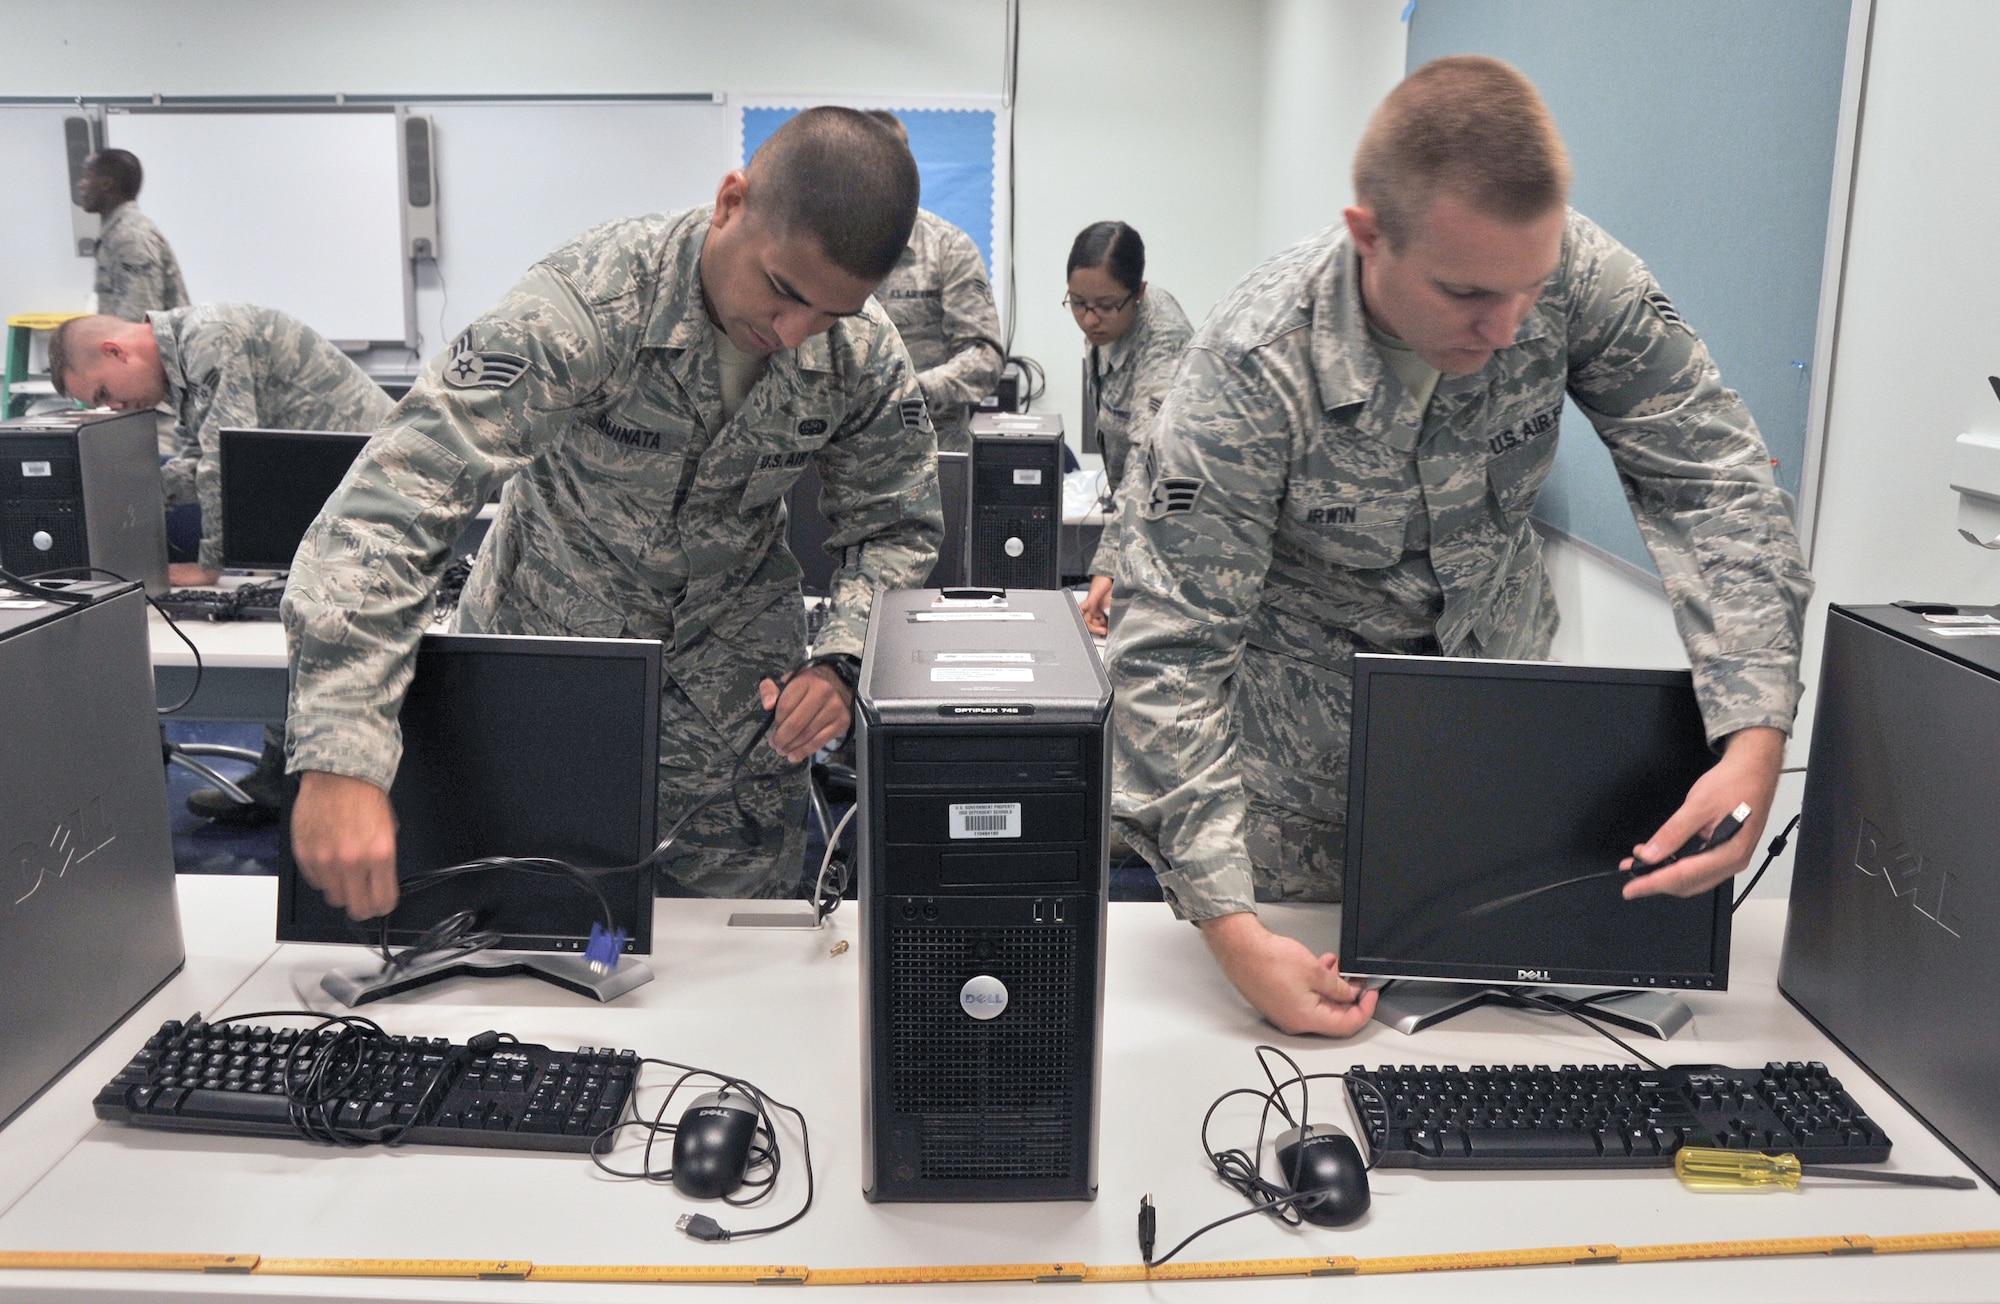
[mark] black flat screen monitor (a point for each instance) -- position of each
(274, 483)
(1473, 784)
(515, 746)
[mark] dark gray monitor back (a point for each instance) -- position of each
(274, 483)
(1892, 943)
(1474, 783)
(89, 926)
(516, 746)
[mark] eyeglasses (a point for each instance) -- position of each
(1099, 308)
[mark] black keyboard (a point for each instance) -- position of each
(1607, 1116)
(250, 602)
(290, 1082)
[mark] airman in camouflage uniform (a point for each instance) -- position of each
(136, 269)
(1129, 380)
(237, 365)
(633, 507)
(942, 304)
(1301, 506)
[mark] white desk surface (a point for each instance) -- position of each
(777, 1008)
(224, 644)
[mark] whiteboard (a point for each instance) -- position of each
(300, 211)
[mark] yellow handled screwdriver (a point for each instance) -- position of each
(1702, 1169)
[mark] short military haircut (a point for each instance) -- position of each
(891, 121)
(122, 168)
(844, 179)
(1466, 126)
(1113, 246)
(72, 343)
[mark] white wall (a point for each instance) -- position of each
(1327, 64)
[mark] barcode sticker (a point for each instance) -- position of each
(986, 819)
(982, 675)
(35, 470)
(1027, 475)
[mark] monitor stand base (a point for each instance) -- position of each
(359, 986)
(1409, 1007)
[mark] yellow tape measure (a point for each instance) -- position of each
(1335, 1265)
(478, 1269)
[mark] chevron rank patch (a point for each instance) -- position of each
(913, 413)
(1172, 494)
(471, 368)
(1669, 314)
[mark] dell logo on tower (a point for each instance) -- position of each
(983, 996)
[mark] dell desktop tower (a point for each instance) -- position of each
(1896, 884)
(984, 751)
(82, 489)
(1017, 501)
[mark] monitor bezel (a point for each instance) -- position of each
(635, 916)
(233, 505)
(1369, 665)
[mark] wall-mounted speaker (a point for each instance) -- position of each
(82, 137)
(420, 220)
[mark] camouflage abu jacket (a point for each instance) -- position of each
(593, 389)
(1299, 506)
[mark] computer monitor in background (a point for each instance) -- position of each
(807, 528)
(513, 746)
(274, 483)
(1489, 804)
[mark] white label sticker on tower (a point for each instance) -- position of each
(33, 470)
(1019, 658)
(982, 675)
(986, 819)
(1027, 475)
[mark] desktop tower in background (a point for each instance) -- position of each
(1017, 488)
(984, 791)
(1896, 886)
(83, 489)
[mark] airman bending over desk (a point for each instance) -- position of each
(647, 393)
(1347, 462)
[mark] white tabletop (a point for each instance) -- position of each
(779, 1009)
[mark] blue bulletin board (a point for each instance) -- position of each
(958, 157)
(1703, 134)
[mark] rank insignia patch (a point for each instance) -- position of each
(1174, 493)
(913, 413)
(1665, 308)
(470, 368)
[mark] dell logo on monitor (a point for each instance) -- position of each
(1532, 975)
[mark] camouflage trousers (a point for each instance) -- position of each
(1293, 717)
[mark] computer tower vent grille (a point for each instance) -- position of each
(1033, 527)
(995, 1098)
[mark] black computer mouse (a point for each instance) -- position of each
(1326, 1161)
(712, 1144)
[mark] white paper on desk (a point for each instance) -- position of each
(22, 604)
(972, 615)
(982, 675)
